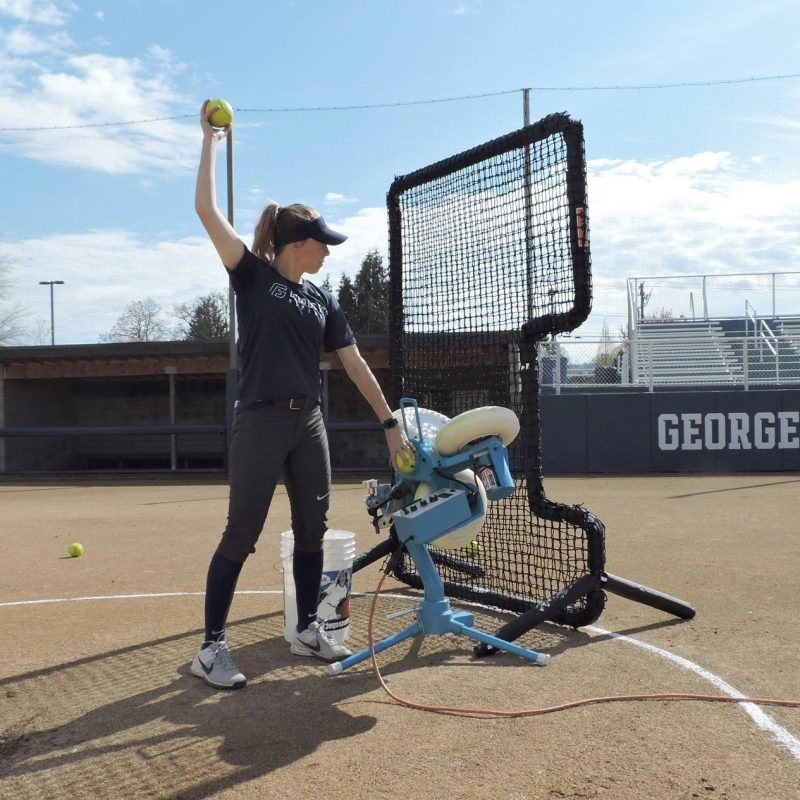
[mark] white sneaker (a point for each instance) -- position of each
(315, 641)
(215, 666)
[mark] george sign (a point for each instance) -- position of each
(691, 431)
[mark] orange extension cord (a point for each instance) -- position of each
(535, 712)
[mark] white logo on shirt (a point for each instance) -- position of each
(308, 306)
(278, 290)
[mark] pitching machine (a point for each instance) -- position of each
(442, 500)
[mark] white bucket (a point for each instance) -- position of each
(338, 553)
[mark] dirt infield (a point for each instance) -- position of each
(96, 700)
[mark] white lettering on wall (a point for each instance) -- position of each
(668, 438)
(714, 432)
(692, 426)
(740, 431)
(736, 430)
(764, 430)
(789, 430)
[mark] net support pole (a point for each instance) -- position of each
(647, 596)
(232, 376)
(528, 189)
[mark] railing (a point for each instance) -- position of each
(718, 295)
(750, 315)
(650, 362)
(762, 335)
(765, 335)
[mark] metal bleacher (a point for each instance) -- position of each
(735, 351)
(702, 341)
(685, 352)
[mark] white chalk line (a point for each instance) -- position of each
(756, 713)
(125, 597)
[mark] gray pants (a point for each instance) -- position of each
(268, 442)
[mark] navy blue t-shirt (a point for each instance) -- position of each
(283, 327)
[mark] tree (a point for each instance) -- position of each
(347, 299)
(326, 284)
(139, 322)
(365, 300)
(39, 334)
(606, 360)
(371, 288)
(11, 314)
(204, 320)
(644, 299)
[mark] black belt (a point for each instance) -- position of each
(292, 403)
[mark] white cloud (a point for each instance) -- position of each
(44, 12)
(366, 230)
(49, 85)
(21, 41)
(336, 197)
(103, 272)
(706, 214)
(106, 270)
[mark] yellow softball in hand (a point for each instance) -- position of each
(405, 461)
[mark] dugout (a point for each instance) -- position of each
(153, 406)
(111, 408)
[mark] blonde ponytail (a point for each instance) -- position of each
(264, 234)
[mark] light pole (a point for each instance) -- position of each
(52, 316)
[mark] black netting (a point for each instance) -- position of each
(489, 255)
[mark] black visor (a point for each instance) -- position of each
(315, 228)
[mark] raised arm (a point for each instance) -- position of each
(221, 232)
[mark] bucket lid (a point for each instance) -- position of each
(334, 534)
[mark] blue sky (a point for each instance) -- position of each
(700, 179)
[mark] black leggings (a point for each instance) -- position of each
(267, 442)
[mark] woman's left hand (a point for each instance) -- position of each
(397, 442)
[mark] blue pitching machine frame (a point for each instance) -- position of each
(432, 501)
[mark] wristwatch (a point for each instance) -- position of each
(392, 422)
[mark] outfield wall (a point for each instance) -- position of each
(697, 431)
(584, 430)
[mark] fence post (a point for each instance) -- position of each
(746, 362)
(558, 367)
(773, 296)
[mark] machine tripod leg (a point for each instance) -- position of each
(362, 655)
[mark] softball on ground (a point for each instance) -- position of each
(405, 461)
(473, 548)
(75, 550)
(221, 113)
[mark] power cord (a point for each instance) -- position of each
(535, 712)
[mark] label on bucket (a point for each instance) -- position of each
(334, 598)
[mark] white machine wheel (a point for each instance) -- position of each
(477, 424)
(431, 421)
(462, 536)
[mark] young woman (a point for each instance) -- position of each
(284, 322)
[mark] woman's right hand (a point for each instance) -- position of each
(217, 134)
